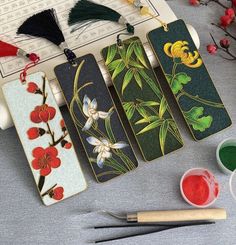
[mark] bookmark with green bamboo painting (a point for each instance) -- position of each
(145, 105)
(189, 80)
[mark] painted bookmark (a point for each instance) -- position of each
(143, 101)
(95, 116)
(45, 138)
(189, 80)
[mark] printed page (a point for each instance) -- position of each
(90, 38)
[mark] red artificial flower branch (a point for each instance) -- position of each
(227, 33)
(225, 21)
(224, 46)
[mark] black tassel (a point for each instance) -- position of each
(45, 25)
(85, 10)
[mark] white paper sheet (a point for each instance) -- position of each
(89, 40)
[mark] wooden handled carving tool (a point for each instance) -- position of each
(173, 215)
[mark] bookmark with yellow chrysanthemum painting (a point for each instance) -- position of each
(145, 105)
(189, 80)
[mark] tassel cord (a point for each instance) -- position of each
(46, 25)
(87, 11)
(34, 61)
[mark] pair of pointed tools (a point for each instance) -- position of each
(163, 220)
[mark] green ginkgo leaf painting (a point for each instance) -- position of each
(143, 101)
(196, 119)
(189, 80)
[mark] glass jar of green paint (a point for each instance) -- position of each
(226, 155)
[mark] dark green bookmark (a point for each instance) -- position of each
(143, 101)
(189, 80)
(94, 114)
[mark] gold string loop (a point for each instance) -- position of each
(144, 10)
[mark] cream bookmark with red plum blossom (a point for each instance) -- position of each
(45, 138)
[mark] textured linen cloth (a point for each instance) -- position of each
(153, 186)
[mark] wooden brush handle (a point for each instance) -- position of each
(177, 215)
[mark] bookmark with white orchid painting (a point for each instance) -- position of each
(45, 138)
(94, 114)
(143, 101)
(189, 80)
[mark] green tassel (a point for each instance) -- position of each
(85, 10)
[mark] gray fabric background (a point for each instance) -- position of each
(24, 219)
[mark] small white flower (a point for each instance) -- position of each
(103, 148)
(90, 110)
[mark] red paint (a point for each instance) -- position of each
(196, 189)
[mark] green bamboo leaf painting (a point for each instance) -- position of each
(111, 54)
(147, 120)
(135, 64)
(163, 134)
(163, 107)
(112, 66)
(130, 112)
(122, 53)
(196, 119)
(149, 103)
(127, 105)
(151, 126)
(141, 110)
(129, 52)
(139, 53)
(138, 79)
(118, 70)
(127, 79)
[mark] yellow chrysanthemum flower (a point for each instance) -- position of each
(180, 50)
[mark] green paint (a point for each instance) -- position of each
(228, 157)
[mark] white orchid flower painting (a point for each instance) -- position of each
(103, 147)
(90, 111)
(97, 122)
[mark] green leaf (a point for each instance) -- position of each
(138, 79)
(127, 79)
(109, 129)
(163, 107)
(162, 135)
(112, 66)
(147, 120)
(149, 103)
(118, 70)
(135, 64)
(138, 50)
(151, 126)
(180, 79)
(127, 105)
(142, 112)
(129, 52)
(151, 83)
(195, 118)
(111, 54)
(130, 112)
(122, 52)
